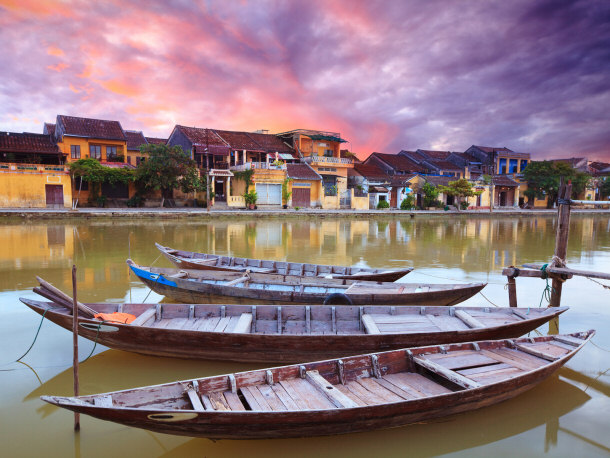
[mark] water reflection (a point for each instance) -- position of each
(566, 415)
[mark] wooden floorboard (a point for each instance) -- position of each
(374, 387)
(350, 395)
(294, 395)
(272, 399)
(417, 382)
(233, 401)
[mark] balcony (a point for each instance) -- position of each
(328, 160)
(258, 166)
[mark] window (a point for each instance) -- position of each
(512, 166)
(129, 160)
(75, 151)
(95, 152)
(328, 152)
(111, 153)
(523, 164)
(502, 167)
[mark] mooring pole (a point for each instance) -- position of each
(561, 241)
(75, 344)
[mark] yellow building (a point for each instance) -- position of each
(322, 151)
(31, 172)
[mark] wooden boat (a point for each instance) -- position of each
(288, 333)
(357, 393)
(204, 261)
(196, 286)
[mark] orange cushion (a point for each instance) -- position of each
(117, 317)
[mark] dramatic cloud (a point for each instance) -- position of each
(387, 75)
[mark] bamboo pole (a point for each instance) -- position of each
(75, 345)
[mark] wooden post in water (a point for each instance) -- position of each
(75, 344)
(561, 241)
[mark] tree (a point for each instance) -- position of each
(168, 168)
(459, 189)
(430, 195)
(543, 179)
(94, 173)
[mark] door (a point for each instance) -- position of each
(394, 198)
(54, 195)
(269, 194)
(301, 197)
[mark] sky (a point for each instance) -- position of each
(533, 76)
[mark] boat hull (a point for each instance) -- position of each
(268, 348)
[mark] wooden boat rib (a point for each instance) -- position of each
(196, 286)
(358, 393)
(203, 261)
(290, 333)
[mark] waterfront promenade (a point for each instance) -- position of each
(189, 212)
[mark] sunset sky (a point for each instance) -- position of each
(533, 76)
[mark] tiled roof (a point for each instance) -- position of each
(49, 129)
(504, 180)
(468, 157)
(117, 165)
(371, 172)
(491, 149)
(201, 136)
(599, 167)
(440, 155)
(271, 143)
(399, 181)
(91, 128)
(399, 162)
(11, 142)
(445, 165)
(239, 140)
(135, 139)
(439, 180)
(301, 172)
(412, 155)
(156, 140)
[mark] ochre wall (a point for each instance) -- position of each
(27, 189)
(84, 143)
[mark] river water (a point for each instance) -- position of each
(566, 415)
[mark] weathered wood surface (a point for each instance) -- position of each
(248, 333)
(570, 272)
(276, 288)
(309, 400)
(194, 260)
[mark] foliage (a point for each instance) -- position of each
(135, 201)
(285, 193)
(383, 204)
(464, 205)
(543, 178)
(485, 179)
(430, 195)
(459, 188)
(297, 208)
(408, 202)
(245, 176)
(91, 171)
(101, 201)
(330, 191)
(168, 168)
(250, 198)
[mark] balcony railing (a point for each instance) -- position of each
(258, 165)
(32, 168)
(328, 160)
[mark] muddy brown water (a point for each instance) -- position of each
(566, 415)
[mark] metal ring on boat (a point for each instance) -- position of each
(171, 417)
(99, 327)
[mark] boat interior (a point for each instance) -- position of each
(358, 381)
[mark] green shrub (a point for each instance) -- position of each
(464, 205)
(408, 203)
(383, 204)
(135, 201)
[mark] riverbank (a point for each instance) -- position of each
(177, 213)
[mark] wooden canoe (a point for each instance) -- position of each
(291, 333)
(357, 393)
(196, 286)
(203, 261)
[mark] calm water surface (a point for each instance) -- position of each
(568, 415)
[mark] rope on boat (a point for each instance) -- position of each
(36, 336)
(599, 283)
(548, 289)
(495, 305)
